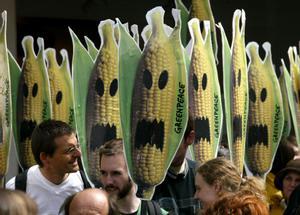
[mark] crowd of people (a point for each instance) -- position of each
(57, 184)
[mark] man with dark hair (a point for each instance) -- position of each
(176, 192)
(116, 181)
(56, 175)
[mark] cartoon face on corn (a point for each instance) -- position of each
(103, 114)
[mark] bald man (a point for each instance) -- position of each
(88, 202)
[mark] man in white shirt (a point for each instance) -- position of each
(56, 176)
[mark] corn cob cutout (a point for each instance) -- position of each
(239, 93)
(33, 98)
(265, 122)
(5, 101)
(236, 89)
(153, 126)
(205, 97)
(61, 87)
(103, 115)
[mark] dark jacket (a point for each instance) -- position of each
(176, 192)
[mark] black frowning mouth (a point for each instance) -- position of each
(237, 127)
(202, 129)
(149, 132)
(101, 134)
(27, 127)
(258, 134)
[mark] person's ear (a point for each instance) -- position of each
(44, 158)
(217, 187)
(190, 138)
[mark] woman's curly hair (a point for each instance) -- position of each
(224, 173)
(243, 202)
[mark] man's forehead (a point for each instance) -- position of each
(66, 139)
(118, 161)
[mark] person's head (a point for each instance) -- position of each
(241, 203)
(113, 169)
(288, 178)
(287, 150)
(188, 139)
(54, 145)
(293, 207)
(88, 202)
(218, 177)
(16, 202)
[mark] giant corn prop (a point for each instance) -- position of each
(5, 101)
(291, 83)
(204, 91)
(265, 120)
(82, 66)
(154, 125)
(103, 115)
(61, 87)
(34, 103)
(236, 89)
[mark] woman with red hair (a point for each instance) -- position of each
(243, 202)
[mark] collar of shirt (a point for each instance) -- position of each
(178, 172)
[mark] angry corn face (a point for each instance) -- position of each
(205, 100)
(159, 108)
(34, 98)
(239, 90)
(103, 115)
(265, 111)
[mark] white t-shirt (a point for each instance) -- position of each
(48, 196)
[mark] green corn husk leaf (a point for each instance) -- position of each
(129, 57)
(286, 110)
(5, 101)
(15, 74)
(82, 66)
(226, 55)
(91, 48)
(266, 116)
(205, 103)
(184, 14)
(33, 93)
